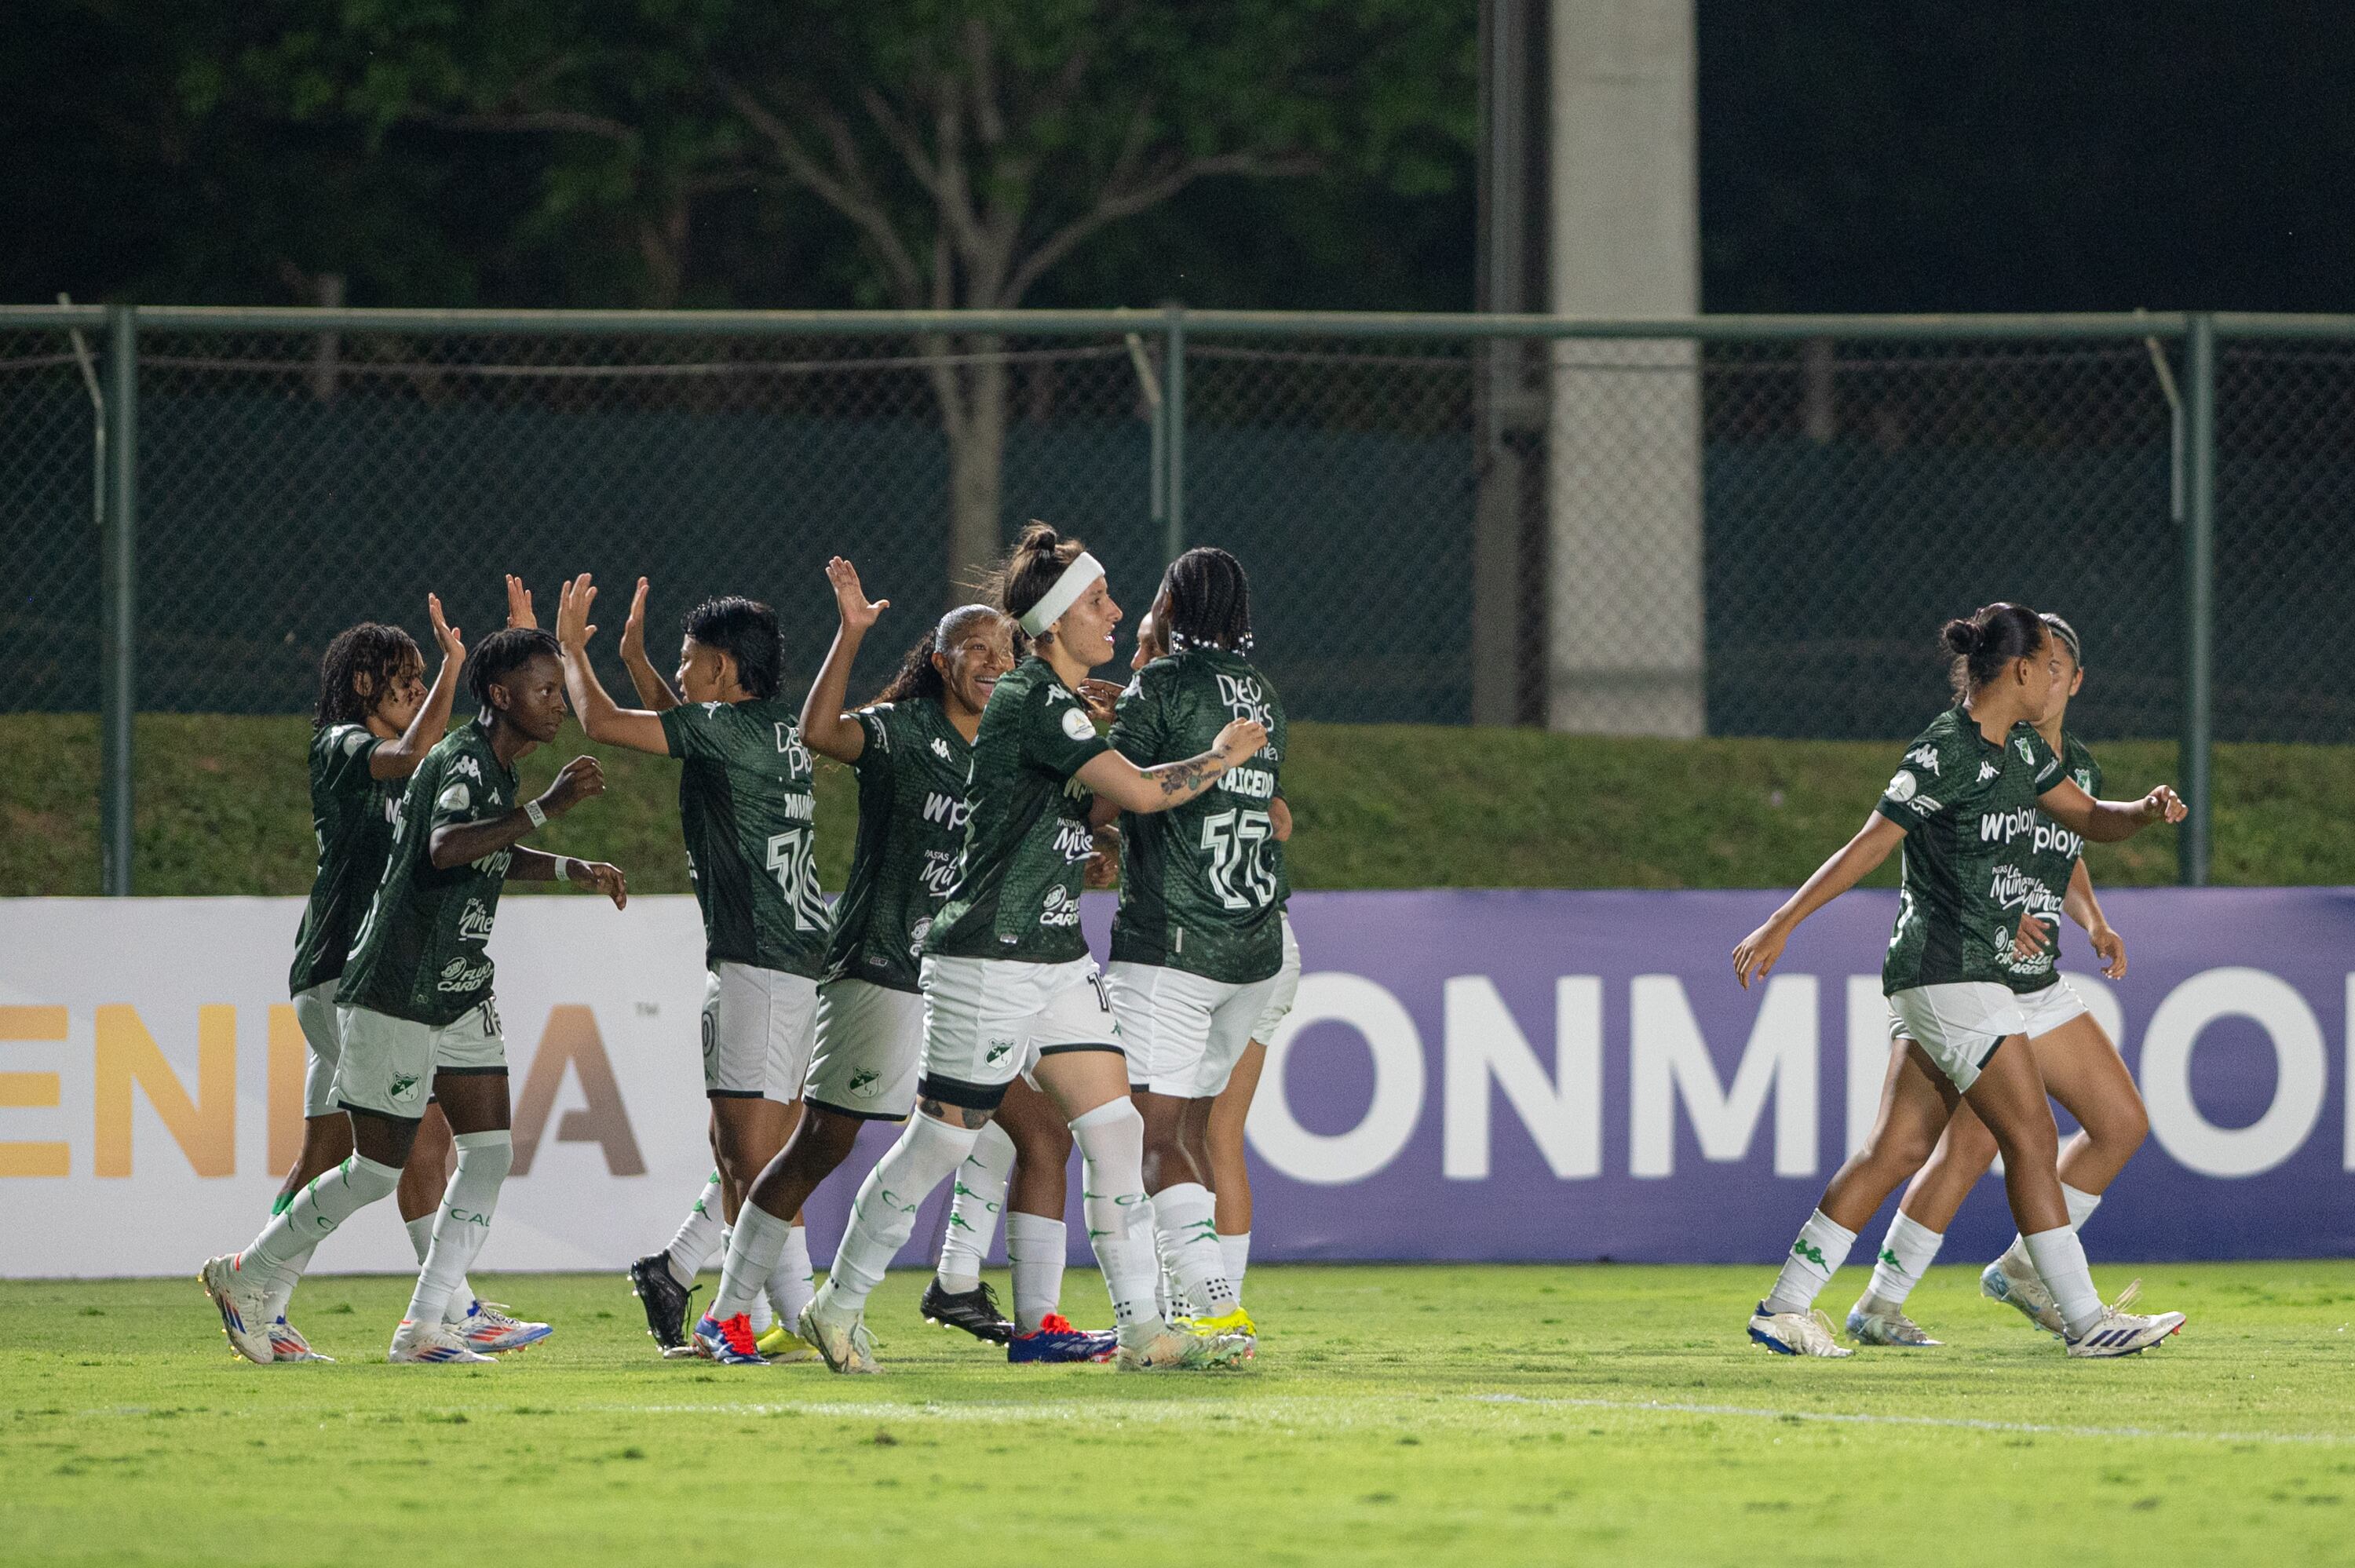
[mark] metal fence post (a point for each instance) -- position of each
(2198, 605)
(1173, 411)
(118, 623)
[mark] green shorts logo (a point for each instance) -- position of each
(403, 1085)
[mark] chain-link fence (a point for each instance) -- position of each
(1747, 528)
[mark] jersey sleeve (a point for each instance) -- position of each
(1136, 727)
(457, 787)
(2039, 756)
(880, 725)
(344, 753)
(697, 732)
(1917, 792)
(1058, 735)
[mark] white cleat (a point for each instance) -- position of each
(1173, 1350)
(1795, 1333)
(840, 1337)
(487, 1328)
(244, 1304)
(287, 1344)
(1871, 1323)
(2013, 1280)
(2121, 1332)
(432, 1342)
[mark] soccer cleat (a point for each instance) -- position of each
(2013, 1280)
(1890, 1327)
(243, 1300)
(664, 1299)
(730, 1343)
(2123, 1333)
(487, 1328)
(976, 1311)
(432, 1342)
(782, 1344)
(1173, 1350)
(287, 1344)
(1795, 1333)
(1235, 1323)
(841, 1338)
(1054, 1340)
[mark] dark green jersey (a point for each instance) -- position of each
(2050, 857)
(1966, 805)
(420, 954)
(745, 803)
(351, 813)
(1199, 885)
(912, 811)
(1016, 894)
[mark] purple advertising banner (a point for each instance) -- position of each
(1563, 1075)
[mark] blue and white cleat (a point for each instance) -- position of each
(243, 1301)
(287, 1344)
(2123, 1333)
(2013, 1280)
(432, 1342)
(730, 1343)
(1795, 1333)
(1870, 1323)
(1055, 1340)
(488, 1329)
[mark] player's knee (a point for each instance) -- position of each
(486, 1155)
(2122, 1129)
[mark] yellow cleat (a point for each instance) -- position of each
(1235, 1323)
(782, 1344)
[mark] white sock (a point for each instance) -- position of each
(2082, 1205)
(464, 1223)
(883, 1215)
(1184, 1224)
(2060, 1260)
(1815, 1257)
(791, 1284)
(1905, 1252)
(420, 1241)
(1111, 1186)
(284, 1290)
(755, 1242)
(700, 1237)
(1034, 1250)
(286, 1242)
(979, 1197)
(1235, 1252)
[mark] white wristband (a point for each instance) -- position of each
(539, 818)
(564, 868)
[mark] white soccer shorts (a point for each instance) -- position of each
(1959, 1024)
(988, 1020)
(869, 1040)
(387, 1064)
(323, 1032)
(759, 1026)
(1287, 987)
(1183, 1033)
(2049, 1009)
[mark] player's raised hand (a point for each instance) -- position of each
(858, 612)
(2163, 804)
(1100, 697)
(2111, 948)
(445, 636)
(572, 629)
(577, 781)
(634, 629)
(1756, 957)
(1238, 740)
(606, 879)
(519, 605)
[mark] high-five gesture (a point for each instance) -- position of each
(634, 629)
(858, 613)
(572, 629)
(445, 636)
(519, 605)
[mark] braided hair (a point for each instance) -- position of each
(1208, 600)
(381, 655)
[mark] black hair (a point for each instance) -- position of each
(917, 676)
(1985, 640)
(1209, 601)
(2068, 636)
(1032, 567)
(381, 653)
(746, 630)
(501, 654)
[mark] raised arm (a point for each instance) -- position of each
(601, 717)
(457, 843)
(653, 690)
(399, 759)
(1170, 784)
(2107, 821)
(1851, 863)
(827, 729)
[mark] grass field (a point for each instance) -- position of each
(1396, 1414)
(222, 807)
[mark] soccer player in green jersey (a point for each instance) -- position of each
(415, 1001)
(2080, 1067)
(1967, 790)
(748, 817)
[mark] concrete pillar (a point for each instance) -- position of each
(1623, 474)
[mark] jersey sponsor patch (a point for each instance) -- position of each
(1901, 786)
(455, 798)
(1076, 725)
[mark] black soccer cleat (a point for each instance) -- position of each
(664, 1298)
(976, 1311)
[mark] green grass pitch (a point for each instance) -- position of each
(1395, 1415)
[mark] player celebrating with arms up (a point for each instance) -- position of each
(415, 1002)
(1968, 786)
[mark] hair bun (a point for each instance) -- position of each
(1961, 638)
(1037, 538)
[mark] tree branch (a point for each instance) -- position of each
(1167, 179)
(565, 120)
(849, 194)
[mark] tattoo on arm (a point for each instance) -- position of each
(1186, 777)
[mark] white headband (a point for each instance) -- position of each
(1077, 579)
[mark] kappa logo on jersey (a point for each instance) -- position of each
(468, 766)
(1901, 786)
(1987, 770)
(1923, 756)
(2002, 827)
(941, 749)
(1061, 909)
(474, 922)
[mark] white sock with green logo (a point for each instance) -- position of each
(1185, 1223)
(1234, 1251)
(979, 1196)
(883, 1215)
(420, 1241)
(2060, 1260)
(285, 1243)
(1112, 1194)
(1815, 1257)
(284, 1291)
(701, 1236)
(2082, 1205)
(1909, 1248)
(1035, 1249)
(755, 1242)
(464, 1223)
(791, 1284)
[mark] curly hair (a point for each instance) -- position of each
(381, 653)
(917, 676)
(501, 654)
